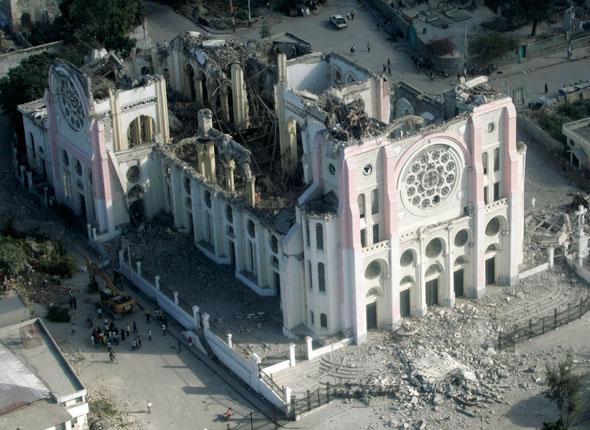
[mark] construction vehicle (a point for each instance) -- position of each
(112, 300)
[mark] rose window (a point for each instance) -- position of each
(431, 177)
(70, 104)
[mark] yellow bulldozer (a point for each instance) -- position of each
(112, 300)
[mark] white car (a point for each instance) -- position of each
(338, 21)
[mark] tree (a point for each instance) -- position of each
(523, 11)
(440, 47)
(265, 31)
(487, 47)
(97, 24)
(564, 389)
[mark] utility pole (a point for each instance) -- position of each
(233, 18)
(570, 33)
(249, 13)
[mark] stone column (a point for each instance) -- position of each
(223, 95)
(138, 265)
(240, 100)
(229, 341)
(309, 342)
(175, 294)
(551, 257)
(251, 191)
(292, 358)
(205, 321)
(94, 233)
(137, 131)
(196, 317)
(201, 160)
(210, 162)
(419, 305)
(89, 231)
(230, 167)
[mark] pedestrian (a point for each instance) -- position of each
(368, 47)
(133, 344)
(149, 407)
(138, 341)
(352, 49)
(546, 88)
(92, 341)
(71, 303)
(109, 346)
(112, 356)
(389, 62)
(99, 312)
(190, 341)
(147, 316)
(134, 327)
(352, 14)
(149, 333)
(74, 302)
(389, 70)
(347, 16)
(73, 329)
(384, 68)
(89, 321)
(122, 335)
(128, 330)
(163, 329)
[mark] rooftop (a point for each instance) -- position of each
(35, 110)
(33, 346)
(580, 128)
(39, 415)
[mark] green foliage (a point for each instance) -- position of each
(54, 260)
(58, 314)
(577, 110)
(24, 83)
(551, 123)
(440, 47)
(13, 258)
(564, 390)
(106, 23)
(521, 12)
(487, 47)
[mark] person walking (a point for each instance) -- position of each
(134, 327)
(352, 49)
(138, 341)
(352, 14)
(149, 334)
(74, 302)
(99, 312)
(147, 316)
(384, 68)
(73, 332)
(368, 47)
(190, 341)
(122, 334)
(128, 330)
(389, 70)
(149, 407)
(546, 88)
(163, 329)
(389, 62)
(112, 356)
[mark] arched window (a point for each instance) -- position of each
(274, 244)
(484, 161)
(311, 318)
(375, 201)
(324, 320)
(496, 159)
(319, 236)
(208, 198)
(361, 201)
(434, 248)
(321, 278)
(407, 258)
(229, 213)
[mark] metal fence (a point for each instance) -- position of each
(324, 395)
(268, 379)
(539, 326)
(253, 421)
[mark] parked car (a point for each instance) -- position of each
(338, 21)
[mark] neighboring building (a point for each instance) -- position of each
(577, 134)
(17, 15)
(40, 390)
(12, 309)
(90, 137)
(365, 217)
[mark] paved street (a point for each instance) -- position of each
(165, 24)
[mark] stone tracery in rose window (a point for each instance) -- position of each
(70, 103)
(431, 177)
